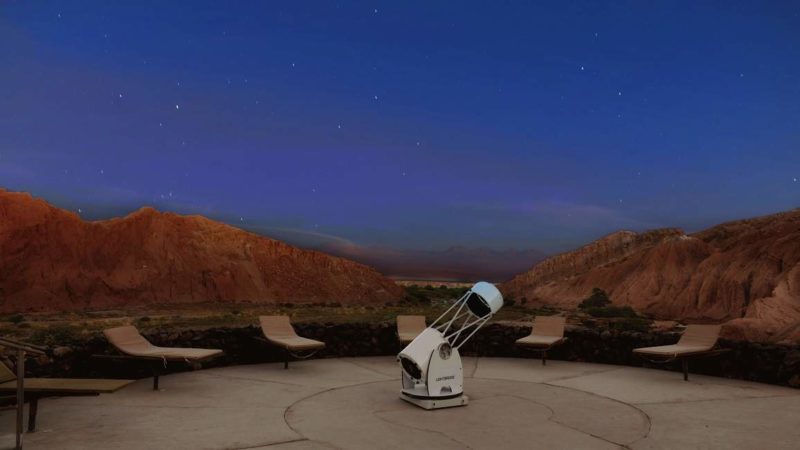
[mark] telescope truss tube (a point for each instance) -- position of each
(431, 369)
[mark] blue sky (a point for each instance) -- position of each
(406, 125)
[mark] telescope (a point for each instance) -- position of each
(432, 374)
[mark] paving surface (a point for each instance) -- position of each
(352, 403)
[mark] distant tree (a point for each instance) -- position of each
(598, 299)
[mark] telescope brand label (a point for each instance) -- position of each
(449, 377)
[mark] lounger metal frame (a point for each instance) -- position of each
(23, 349)
(684, 359)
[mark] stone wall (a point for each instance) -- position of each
(777, 364)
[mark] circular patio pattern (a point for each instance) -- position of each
(500, 414)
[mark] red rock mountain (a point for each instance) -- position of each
(745, 273)
(51, 260)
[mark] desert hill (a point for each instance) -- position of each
(52, 260)
(745, 273)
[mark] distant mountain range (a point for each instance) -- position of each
(52, 260)
(454, 263)
(745, 272)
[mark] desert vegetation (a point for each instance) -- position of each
(623, 318)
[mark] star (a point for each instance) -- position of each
(161, 124)
(794, 179)
(80, 210)
(339, 126)
(292, 64)
(177, 106)
(741, 75)
(582, 68)
(375, 11)
(102, 172)
(120, 95)
(59, 15)
(404, 174)
(619, 93)
(375, 97)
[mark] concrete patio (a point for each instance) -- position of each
(352, 403)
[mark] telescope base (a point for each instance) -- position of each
(435, 403)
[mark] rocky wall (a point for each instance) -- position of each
(776, 364)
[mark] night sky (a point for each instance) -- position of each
(407, 126)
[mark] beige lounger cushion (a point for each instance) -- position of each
(409, 327)
(538, 341)
(696, 339)
(128, 340)
(67, 385)
(547, 331)
(279, 331)
(73, 386)
(6, 374)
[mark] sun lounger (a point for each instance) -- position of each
(130, 342)
(37, 388)
(547, 332)
(696, 341)
(409, 327)
(279, 332)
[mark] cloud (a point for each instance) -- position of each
(563, 213)
(304, 238)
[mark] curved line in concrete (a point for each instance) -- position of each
(644, 415)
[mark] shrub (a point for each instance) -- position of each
(598, 299)
(611, 311)
(417, 294)
(16, 319)
(638, 324)
(56, 335)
